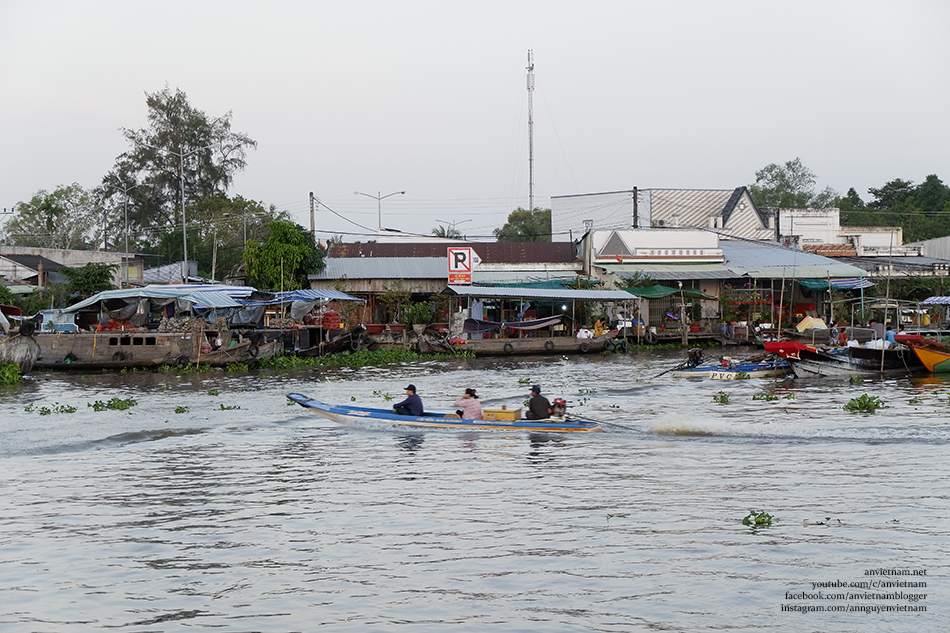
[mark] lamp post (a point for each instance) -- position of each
(379, 201)
(181, 174)
(127, 196)
(453, 231)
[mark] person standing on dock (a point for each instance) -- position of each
(539, 407)
(412, 405)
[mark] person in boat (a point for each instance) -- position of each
(412, 405)
(877, 327)
(539, 407)
(471, 407)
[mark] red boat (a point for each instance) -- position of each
(934, 355)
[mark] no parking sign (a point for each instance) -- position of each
(462, 260)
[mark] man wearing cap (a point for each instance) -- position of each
(412, 405)
(539, 408)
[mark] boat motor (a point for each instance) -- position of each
(559, 407)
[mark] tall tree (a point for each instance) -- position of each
(791, 185)
(87, 280)
(182, 152)
(285, 258)
(526, 226)
(67, 217)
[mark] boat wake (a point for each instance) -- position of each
(806, 430)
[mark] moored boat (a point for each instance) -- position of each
(934, 354)
(812, 361)
(732, 371)
(516, 346)
(345, 414)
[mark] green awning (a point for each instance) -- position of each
(658, 292)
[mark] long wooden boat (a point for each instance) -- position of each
(934, 355)
(810, 361)
(519, 346)
(125, 349)
(764, 369)
(345, 414)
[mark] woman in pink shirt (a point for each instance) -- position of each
(471, 407)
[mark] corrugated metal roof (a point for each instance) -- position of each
(761, 260)
(539, 293)
(489, 252)
(384, 268)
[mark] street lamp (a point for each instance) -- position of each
(127, 196)
(379, 201)
(181, 173)
(453, 224)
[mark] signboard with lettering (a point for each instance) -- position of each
(462, 260)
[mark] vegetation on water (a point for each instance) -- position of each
(181, 409)
(757, 519)
(213, 392)
(45, 410)
(10, 374)
(115, 404)
(721, 398)
(741, 375)
(864, 404)
(229, 408)
(362, 358)
(767, 396)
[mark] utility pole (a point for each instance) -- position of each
(313, 228)
(636, 216)
(530, 80)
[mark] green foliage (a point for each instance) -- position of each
(419, 313)
(115, 404)
(395, 301)
(922, 211)
(182, 146)
(526, 226)
(285, 258)
(449, 232)
(229, 408)
(757, 519)
(362, 358)
(767, 396)
(524, 381)
(56, 408)
(10, 374)
(67, 217)
(237, 367)
(213, 392)
(864, 404)
(721, 398)
(741, 375)
(87, 280)
(789, 185)
(181, 409)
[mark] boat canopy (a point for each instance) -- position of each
(162, 295)
(936, 301)
(473, 326)
(301, 302)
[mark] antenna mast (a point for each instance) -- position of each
(530, 70)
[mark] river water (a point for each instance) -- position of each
(241, 513)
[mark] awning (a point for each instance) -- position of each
(658, 292)
(565, 294)
(936, 301)
(820, 285)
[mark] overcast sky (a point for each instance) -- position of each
(429, 97)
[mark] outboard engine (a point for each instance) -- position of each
(694, 357)
(560, 407)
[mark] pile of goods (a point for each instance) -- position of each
(180, 324)
(116, 326)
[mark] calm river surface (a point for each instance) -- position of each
(268, 518)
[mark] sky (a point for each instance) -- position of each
(429, 97)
